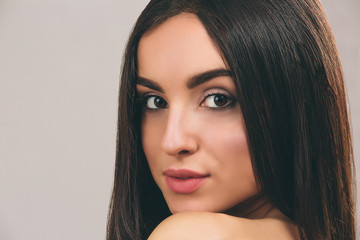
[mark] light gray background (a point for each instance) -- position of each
(59, 70)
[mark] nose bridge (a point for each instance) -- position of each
(178, 138)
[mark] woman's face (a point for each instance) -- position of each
(192, 129)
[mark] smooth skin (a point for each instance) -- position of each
(192, 120)
(219, 226)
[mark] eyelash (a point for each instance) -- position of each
(230, 100)
(229, 104)
(142, 101)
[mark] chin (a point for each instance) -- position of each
(192, 205)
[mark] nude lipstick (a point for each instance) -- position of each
(184, 181)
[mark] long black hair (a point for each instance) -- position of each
(289, 82)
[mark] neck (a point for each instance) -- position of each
(255, 207)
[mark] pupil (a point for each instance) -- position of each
(159, 102)
(220, 100)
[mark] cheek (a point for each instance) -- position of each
(235, 142)
(228, 141)
(239, 157)
(233, 151)
(151, 134)
(228, 145)
(239, 181)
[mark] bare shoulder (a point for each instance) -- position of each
(193, 225)
(218, 226)
(270, 228)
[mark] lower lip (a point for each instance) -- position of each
(184, 186)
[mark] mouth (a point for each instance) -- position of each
(184, 181)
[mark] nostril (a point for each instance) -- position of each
(183, 152)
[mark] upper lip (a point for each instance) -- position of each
(184, 173)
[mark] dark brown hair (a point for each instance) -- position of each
(289, 82)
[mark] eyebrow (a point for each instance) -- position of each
(149, 84)
(201, 78)
(193, 81)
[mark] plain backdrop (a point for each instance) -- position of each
(59, 76)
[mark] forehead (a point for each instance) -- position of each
(178, 48)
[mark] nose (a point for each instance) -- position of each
(179, 138)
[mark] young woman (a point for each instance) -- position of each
(232, 124)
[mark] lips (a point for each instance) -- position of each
(184, 181)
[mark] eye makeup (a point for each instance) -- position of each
(217, 100)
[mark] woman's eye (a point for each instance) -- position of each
(155, 102)
(216, 101)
